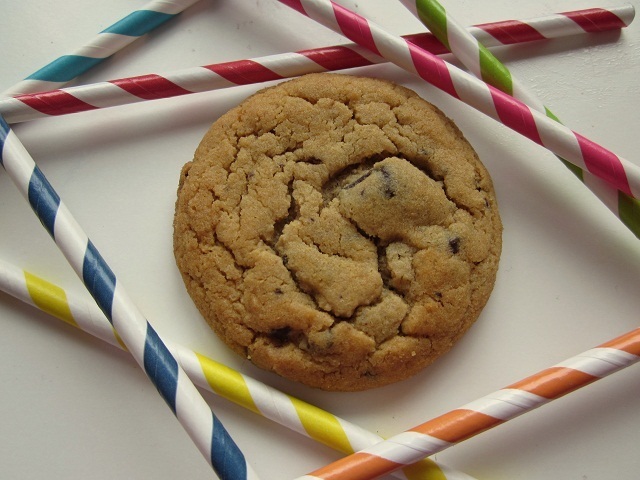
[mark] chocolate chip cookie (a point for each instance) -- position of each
(337, 230)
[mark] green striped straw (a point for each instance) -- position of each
(483, 64)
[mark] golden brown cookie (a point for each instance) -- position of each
(337, 230)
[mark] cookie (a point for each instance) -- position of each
(337, 230)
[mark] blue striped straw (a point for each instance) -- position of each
(136, 332)
(67, 67)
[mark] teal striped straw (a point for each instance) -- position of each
(112, 39)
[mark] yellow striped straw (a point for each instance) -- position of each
(215, 377)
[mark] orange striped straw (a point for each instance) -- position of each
(487, 412)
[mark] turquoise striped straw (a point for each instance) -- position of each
(125, 31)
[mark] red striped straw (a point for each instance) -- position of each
(485, 413)
(564, 142)
(589, 20)
(276, 67)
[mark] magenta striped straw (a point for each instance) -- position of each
(537, 127)
(484, 65)
(276, 67)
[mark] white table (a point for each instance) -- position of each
(72, 407)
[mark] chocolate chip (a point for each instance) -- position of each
(280, 336)
(387, 180)
(357, 181)
(454, 245)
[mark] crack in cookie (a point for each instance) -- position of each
(361, 231)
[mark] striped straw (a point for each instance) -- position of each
(575, 148)
(215, 377)
(276, 67)
(315, 423)
(483, 64)
(577, 21)
(136, 332)
(114, 38)
(486, 412)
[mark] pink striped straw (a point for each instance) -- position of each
(276, 67)
(564, 142)
(483, 64)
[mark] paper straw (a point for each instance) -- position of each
(483, 64)
(114, 38)
(567, 23)
(215, 377)
(487, 412)
(575, 148)
(277, 67)
(473, 54)
(136, 332)
(308, 419)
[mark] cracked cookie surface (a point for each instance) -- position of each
(337, 230)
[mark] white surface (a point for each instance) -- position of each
(71, 407)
